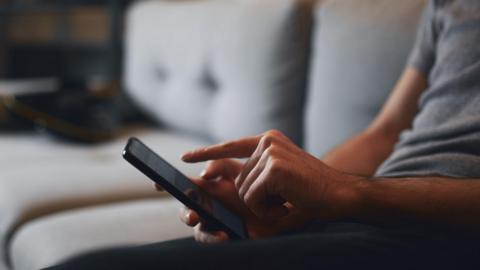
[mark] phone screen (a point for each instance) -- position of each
(177, 184)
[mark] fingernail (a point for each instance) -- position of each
(186, 156)
(188, 216)
(203, 173)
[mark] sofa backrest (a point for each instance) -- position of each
(220, 68)
(224, 69)
(359, 51)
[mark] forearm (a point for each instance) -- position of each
(432, 202)
(362, 154)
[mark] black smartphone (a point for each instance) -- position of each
(174, 182)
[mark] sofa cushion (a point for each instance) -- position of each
(39, 177)
(360, 49)
(261, 64)
(53, 239)
(221, 69)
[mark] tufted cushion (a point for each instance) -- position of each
(220, 68)
(360, 49)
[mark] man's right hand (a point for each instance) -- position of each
(218, 180)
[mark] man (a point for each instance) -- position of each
(408, 185)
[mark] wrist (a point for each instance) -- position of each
(360, 188)
(349, 196)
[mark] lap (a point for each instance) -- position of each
(341, 246)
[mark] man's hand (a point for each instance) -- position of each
(281, 185)
(279, 177)
(218, 180)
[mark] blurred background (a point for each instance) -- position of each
(61, 58)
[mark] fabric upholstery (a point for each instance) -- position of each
(360, 49)
(52, 239)
(40, 177)
(220, 69)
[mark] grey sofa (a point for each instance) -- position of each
(207, 70)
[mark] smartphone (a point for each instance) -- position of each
(174, 182)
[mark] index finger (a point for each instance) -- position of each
(242, 148)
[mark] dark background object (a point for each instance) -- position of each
(75, 116)
(78, 42)
(62, 56)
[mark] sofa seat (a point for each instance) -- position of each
(52, 239)
(39, 176)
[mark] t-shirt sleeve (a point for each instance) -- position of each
(422, 56)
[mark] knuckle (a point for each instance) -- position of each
(278, 135)
(275, 133)
(276, 166)
(272, 150)
(265, 140)
(270, 137)
(268, 151)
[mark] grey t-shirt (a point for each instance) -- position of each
(445, 135)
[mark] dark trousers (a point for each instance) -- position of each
(336, 246)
